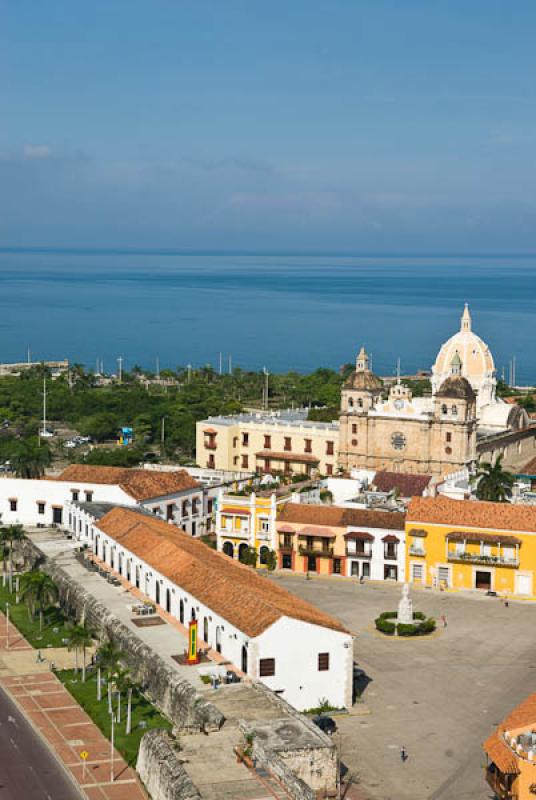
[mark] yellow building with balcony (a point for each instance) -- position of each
(464, 544)
(244, 521)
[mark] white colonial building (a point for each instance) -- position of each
(175, 496)
(269, 634)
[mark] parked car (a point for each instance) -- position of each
(70, 444)
(326, 724)
(46, 433)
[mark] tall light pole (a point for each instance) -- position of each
(112, 750)
(7, 626)
(120, 368)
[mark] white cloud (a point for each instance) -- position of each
(36, 151)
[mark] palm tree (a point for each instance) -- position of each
(121, 682)
(493, 483)
(29, 461)
(79, 639)
(109, 655)
(38, 590)
(12, 533)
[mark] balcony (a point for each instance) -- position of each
(479, 558)
(210, 445)
(234, 533)
(323, 552)
(499, 784)
(416, 551)
(359, 553)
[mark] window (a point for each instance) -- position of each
(235, 460)
(354, 428)
(195, 506)
(444, 409)
(245, 439)
(235, 441)
(449, 437)
(244, 462)
(287, 540)
(210, 504)
(12, 505)
(329, 469)
(74, 494)
(40, 508)
(308, 446)
(309, 542)
(211, 463)
(354, 442)
(288, 443)
(454, 411)
(185, 508)
(350, 403)
(265, 525)
(267, 442)
(390, 550)
(89, 497)
(330, 448)
(266, 667)
(336, 566)
(286, 561)
(323, 662)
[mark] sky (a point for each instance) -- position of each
(309, 125)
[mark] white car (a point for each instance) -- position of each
(46, 434)
(70, 444)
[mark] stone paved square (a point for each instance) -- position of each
(440, 697)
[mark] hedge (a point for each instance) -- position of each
(384, 625)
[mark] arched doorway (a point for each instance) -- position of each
(242, 550)
(218, 639)
(168, 601)
(228, 549)
(120, 563)
(129, 568)
(263, 554)
(205, 629)
(157, 593)
(137, 577)
(244, 659)
(181, 611)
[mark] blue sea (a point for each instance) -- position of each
(276, 311)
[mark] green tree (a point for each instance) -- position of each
(79, 639)
(39, 591)
(493, 483)
(109, 655)
(11, 534)
(30, 459)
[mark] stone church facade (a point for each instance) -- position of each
(435, 434)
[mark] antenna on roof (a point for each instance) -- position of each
(398, 370)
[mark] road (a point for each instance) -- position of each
(28, 770)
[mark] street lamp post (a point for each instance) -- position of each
(7, 626)
(112, 750)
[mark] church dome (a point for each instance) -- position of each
(470, 357)
(455, 386)
(365, 381)
(474, 354)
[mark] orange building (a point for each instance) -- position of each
(511, 752)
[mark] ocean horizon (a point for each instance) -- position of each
(282, 311)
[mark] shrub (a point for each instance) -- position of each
(384, 625)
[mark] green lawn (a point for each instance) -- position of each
(142, 711)
(53, 629)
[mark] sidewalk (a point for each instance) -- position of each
(64, 725)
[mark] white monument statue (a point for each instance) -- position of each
(405, 607)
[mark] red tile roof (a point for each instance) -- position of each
(528, 469)
(248, 601)
(141, 484)
(361, 535)
(524, 715)
(475, 514)
(339, 517)
(408, 485)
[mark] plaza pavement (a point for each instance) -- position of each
(439, 697)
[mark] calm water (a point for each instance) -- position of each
(285, 312)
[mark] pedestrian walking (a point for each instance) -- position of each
(444, 620)
(403, 754)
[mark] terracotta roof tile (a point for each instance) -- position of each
(250, 602)
(528, 469)
(524, 715)
(340, 517)
(288, 456)
(475, 514)
(141, 484)
(408, 485)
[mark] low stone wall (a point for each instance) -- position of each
(173, 695)
(272, 762)
(306, 766)
(160, 770)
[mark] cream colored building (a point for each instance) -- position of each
(282, 441)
